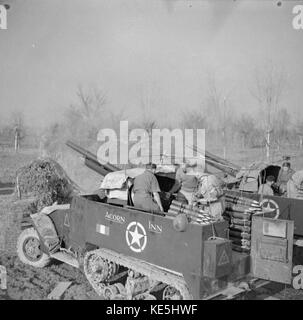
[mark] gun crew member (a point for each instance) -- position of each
(210, 189)
(285, 174)
(188, 181)
(265, 188)
(295, 185)
(146, 190)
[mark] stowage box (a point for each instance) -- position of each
(217, 260)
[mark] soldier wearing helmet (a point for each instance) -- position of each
(284, 175)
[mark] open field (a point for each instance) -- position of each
(245, 157)
(25, 282)
(10, 162)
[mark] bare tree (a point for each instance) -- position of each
(194, 119)
(149, 100)
(299, 130)
(219, 110)
(88, 115)
(245, 126)
(282, 123)
(269, 87)
(17, 128)
(17, 119)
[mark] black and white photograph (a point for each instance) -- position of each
(151, 150)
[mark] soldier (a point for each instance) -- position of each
(265, 188)
(188, 182)
(210, 189)
(146, 190)
(295, 185)
(284, 175)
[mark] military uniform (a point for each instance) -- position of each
(294, 185)
(189, 184)
(145, 185)
(283, 178)
(266, 190)
(210, 189)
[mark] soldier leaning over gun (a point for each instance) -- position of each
(188, 182)
(146, 190)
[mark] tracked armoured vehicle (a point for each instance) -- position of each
(128, 253)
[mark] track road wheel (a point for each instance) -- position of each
(110, 292)
(28, 249)
(170, 293)
(145, 296)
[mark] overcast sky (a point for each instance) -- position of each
(52, 46)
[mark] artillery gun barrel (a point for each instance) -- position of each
(93, 165)
(222, 161)
(91, 160)
(218, 162)
(222, 167)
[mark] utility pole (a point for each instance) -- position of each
(17, 136)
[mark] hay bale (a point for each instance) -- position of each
(47, 182)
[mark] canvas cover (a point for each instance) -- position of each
(118, 179)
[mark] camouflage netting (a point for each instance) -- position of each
(46, 181)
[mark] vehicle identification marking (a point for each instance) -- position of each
(66, 220)
(269, 205)
(223, 259)
(100, 228)
(153, 227)
(115, 217)
(135, 236)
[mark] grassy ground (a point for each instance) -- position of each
(11, 161)
(245, 157)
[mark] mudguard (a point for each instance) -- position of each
(45, 228)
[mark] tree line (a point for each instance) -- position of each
(273, 125)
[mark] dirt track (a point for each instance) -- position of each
(28, 283)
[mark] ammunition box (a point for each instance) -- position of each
(217, 258)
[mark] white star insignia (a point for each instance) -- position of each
(136, 236)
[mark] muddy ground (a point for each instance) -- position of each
(26, 282)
